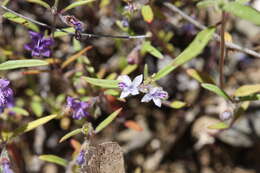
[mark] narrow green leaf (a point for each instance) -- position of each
(216, 90)
(243, 11)
(107, 121)
(112, 92)
(194, 49)
(40, 2)
(37, 108)
(206, 3)
(147, 47)
(20, 111)
(219, 126)
(61, 33)
(246, 90)
(199, 76)
(12, 17)
(54, 159)
(32, 125)
(70, 134)
(104, 83)
(129, 69)
(14, 64)
(242, 1)
(147, 13)
(77, 4)
(177, 104)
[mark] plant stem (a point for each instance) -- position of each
(222, 50)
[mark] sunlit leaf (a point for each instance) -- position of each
(246, 90)
(20, 111)
(201, 77)
(76, 4)
(37, 108)
(104, 83)
(54, 159)
(32, 125)
(62, 33)
(193, 50)
(70, 134)
(177, 104)
(219, 126)
(216, 90)
(14, 64)
(129, 69)
(40, 2)
(147, 47)
(147, 13)
(243, 11)
(107, 121)
(12, 17)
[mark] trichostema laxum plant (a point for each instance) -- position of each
(102, 86)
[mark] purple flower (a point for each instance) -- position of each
(81, 157)
(226, 115)
(6, 95)
(39, 46)
(78, 107)
(129, 87)
(156, 94)
(6, 167)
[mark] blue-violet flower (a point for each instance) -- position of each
(81, 157)
(129, 87)
(39, 46)
(6, 167)
(156, 94)
(6, 95)
(78, 108)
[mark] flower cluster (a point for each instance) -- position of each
(79, 108)
(39, 46)
(6, 95)
(128, 87)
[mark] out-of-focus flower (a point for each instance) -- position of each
(78, 108)
(81, 157)
(226, 115)
(6, 95)
(156, 94)
(6, 167)
(127, 86)
(39, 46)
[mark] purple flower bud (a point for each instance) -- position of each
(6, 167)
(81, 157)
(6, 95)
(226, 115)
(156, 94)
(78, 108)
(127, 86)
(39, 46)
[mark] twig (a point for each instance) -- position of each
(216, 36)
(73, 34)
(222, 50)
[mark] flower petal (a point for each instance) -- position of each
(157, 102)
(137, 80)
(124, 94)
(125, 79)
(134, 91)
(146, 98)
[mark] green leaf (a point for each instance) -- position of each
(129, 69)
(20, 111)
(37, 108)
(246, 90)
(76, 4)
(147, 13)
(32, 125)
(107, 121)
(216, 90)
(14, 64)
(70, 134)
(104, 83)
(206, 3)
(147, 47)
(219, 126)
(242, 1)
(12, 17)
(61, 33)
(40, 2)
(111, 92)
(177, 104)
(199, 76)
(193, 50)
(243, 11)
(54, 159)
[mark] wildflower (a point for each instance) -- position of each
(6, 167)
(6, 95)
(81, 157)
(156, 94)
(129, 87)
(39, 46)
(78, 107)
(226, 115)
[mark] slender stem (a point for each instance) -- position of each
(73, 34)
(216, 36)
(222, 50)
